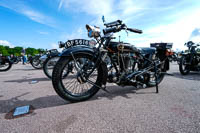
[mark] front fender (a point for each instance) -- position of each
(78, 50)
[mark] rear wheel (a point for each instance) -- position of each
(5, 66)
(160, 76)
(184, 67)
(76, 86)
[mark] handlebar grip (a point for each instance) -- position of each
(135, 30)
(109, 30)
(114, 23)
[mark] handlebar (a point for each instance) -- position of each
(110, 30)
(135, 30)
(117, 29)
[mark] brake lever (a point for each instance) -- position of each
(126, 32)
(125, 28)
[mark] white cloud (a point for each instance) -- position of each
(6, 43)
(43, 32)
(22, 8)
(79, 33)
(55, 46)
(162, 22)
(60, 4)
(177, 32)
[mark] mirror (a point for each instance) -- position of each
(103, 19)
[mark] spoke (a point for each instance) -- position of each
(92, 83)
(75, 86)
(70, 82)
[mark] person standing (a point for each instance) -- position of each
(23, 56)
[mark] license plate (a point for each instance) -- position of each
(76, 42)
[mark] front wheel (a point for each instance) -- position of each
(49, 64)
(76, 86)
(184, 66)
(36, 63)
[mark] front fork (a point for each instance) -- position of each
(83, 76)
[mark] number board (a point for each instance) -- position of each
(76, 42)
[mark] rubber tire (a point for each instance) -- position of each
(9, 66)
(159, 80)
(45, 67)
(183, 72)
(60, 90)
(36, 67)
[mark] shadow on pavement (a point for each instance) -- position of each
(26, 79)
(41, 102)
(190, 76)
(55, 100)
(28, 69)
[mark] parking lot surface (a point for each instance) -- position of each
(176, 109)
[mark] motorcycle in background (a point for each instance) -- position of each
(53, 57)
(190, 60)
(5, 63)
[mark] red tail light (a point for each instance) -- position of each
(169, 52)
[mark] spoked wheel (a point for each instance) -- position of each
(36, 63)
(184, 67)
(160, 76)
(5, 66)
(49, 64)
(78, 85)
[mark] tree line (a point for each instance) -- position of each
(6, 51)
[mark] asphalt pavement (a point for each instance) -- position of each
(176, 109)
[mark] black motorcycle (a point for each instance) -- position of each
(49, 63)
(15, 59)
(190, 60)
(38, 60)
(114, 62)
(5, 63)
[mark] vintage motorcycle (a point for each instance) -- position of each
(114, 62)
(38, 60)
(15, 59)
(190, 61)
(5, 63)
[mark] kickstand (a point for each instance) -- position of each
(156, 77)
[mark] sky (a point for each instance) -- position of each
(42, 23)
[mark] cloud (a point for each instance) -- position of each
(55, 46)
(24, 9)
(43, 32)
(178, 31)
(60, 4)
(79, 33)
(195, 35)
(6, 43)
(170, 21)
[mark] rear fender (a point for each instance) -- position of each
(166, 66)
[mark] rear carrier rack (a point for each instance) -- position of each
(161, 45)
